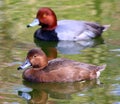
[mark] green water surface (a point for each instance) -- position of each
(16, 40)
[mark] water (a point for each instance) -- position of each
(16, 40)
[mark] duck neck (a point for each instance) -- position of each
(49, 27)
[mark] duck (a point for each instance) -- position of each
(38, 69)
(70, 30)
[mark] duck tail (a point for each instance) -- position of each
(99, 69)
(105, 27)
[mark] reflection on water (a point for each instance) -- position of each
(62, 91)
(68, 47)
(16, 40)
(71, 47)
(48, 47)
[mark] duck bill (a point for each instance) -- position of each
(34, 23)
(25, 65)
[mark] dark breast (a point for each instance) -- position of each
(47, 35)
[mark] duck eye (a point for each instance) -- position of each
(34, 56)
(45, 14)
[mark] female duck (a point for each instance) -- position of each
(73, 30)
(57, 70)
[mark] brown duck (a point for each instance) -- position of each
(39, 69)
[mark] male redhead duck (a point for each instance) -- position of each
(57, 70)
(72, 30)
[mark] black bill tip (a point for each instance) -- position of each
(19, 68)
(28, 26)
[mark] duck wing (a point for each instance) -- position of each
(96, 28)
(61, 63)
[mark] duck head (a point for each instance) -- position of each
(46, 18)
(36, 58)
